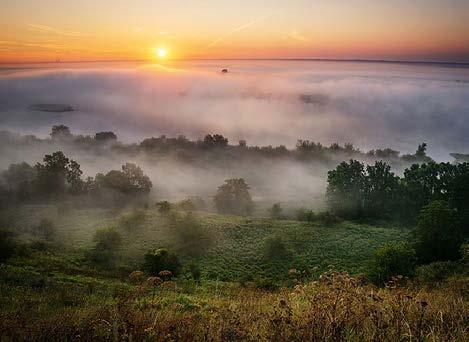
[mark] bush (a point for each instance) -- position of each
(438, 233)
(186, 205)
(194, 271)
(267, 284)
(7, 245)
(191, 238)
(132, 220)
(326, 218)
(275, 212)
(108, 242)
(275, 249)
(164, 207)
(435, 272)
(45, 230)
(161, 260)
(391, 260)
(303, 214)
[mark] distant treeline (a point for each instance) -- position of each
(187, 150)
(58, 176)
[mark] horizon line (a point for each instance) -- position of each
(356, 60)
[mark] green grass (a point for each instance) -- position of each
(238, 248)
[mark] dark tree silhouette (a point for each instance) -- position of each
(233, 197)
(105, 136)
(58, 174)
(61, 132)
(346, 189)
(438, 235)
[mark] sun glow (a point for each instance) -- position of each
(161, 52)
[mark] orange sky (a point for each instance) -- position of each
(47, 30)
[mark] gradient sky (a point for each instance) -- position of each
(47, 30)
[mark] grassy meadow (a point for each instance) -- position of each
(51, 292)
(237, 249)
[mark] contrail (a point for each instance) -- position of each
(45, 28)
(240, 28)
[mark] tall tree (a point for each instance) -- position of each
(233, 197)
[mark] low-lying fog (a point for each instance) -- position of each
(373, 105)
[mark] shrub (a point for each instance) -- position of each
(275, 212)
(194, 270)
(199, 203)
(186, 205)
(191, 238)
(326, 218)
(7, 245)
(45, 230)
(266, 284)
(132, 220)
(435, 271)
(438, 234)
(275, 249)
(161, 260)
(391, 260)
(108, 242)
(303, 214)
(164, 207)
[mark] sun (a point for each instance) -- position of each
(161, 52)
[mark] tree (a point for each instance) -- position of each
(233, 197)
(381, 190)
(107, 243)
(60, 132)
(161, 260)
(458, 193)
(164, 207)
(186, 205)
(438, 234)
(191, 237)
(7, 245)
(391, 260)
(105, 136)
(139, 182)
(421, 151)
(275, 211)
(58, 174)
(122, 185)
(216, 140)
(45, 230)
(346, 189)
(19, 179)
(419, 156)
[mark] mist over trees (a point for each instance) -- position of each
(234, 198)
(58, 176)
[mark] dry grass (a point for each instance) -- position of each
(335, 308)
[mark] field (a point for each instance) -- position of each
(49, 291)
(238, 248)
(54, 298)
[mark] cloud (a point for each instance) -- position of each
(298, 37)
(237, 29)
(49, 29)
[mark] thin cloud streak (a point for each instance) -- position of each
(49, 29)
(238, 29)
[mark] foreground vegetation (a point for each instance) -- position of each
(239, 242)
(46, 297)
